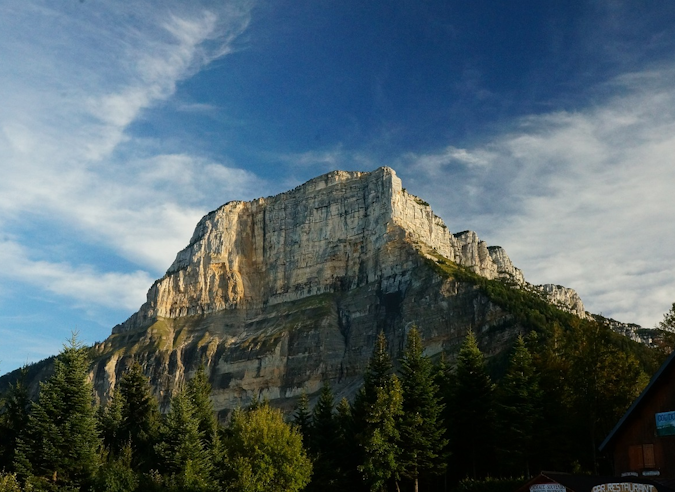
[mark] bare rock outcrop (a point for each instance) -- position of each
(332, 233)
(281, 293)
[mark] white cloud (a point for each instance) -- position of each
(584, 199)
(84, 284)
(93, 70)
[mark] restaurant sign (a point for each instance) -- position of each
(665, 424)
(624, 487)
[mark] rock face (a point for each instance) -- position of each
(277, 294)
(562, 297)
(331, 234)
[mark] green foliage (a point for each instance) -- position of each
(110, 423)
(381, 438)
(183, 450)
(421, 426)
(325, 443)
(471, 412)
(13, 419)
(61, 444)
(116, 473)
(9, 483)
(263, 453)
(199, 394)
(302, 417)
(140, 423)
(602, 381)
(668, 321)
(520, 412)
(377, 409)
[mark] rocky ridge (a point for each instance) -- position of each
(280, 293)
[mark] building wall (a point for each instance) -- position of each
(637, 448)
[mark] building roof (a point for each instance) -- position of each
(638, 400)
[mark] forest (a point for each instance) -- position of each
(415, 424)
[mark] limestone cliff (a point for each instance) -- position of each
(277, 294)
(331, 233)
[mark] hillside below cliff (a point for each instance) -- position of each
(276, 295)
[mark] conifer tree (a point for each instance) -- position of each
(302, 418)
(602, 382)
(110, 422)
(324, 442)
(13, 419)
(61, 445)
(347, 448)
(421, 427)
(520, 412)
(381, 438)
(199, 393)
(376, 411)
(140, 418)
(183, 452)
(472, 413)
(324, 425)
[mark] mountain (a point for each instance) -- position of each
(277, 294)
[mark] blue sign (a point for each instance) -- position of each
(665, 424)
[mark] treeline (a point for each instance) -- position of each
(63, 442)
(424, 426)
(436, 427)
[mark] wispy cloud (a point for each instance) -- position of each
(69, 155)
(84, 284)
(584, 199)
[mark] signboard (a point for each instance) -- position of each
(665, 424)
(547, 487)
(624, 487)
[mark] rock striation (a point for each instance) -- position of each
(280, 293)
(329, 234)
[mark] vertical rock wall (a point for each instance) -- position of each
(335, 232)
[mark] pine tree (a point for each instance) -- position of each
(421, 426)
(140, 418)
(199, 393)
(324, 442)
(183, 452)
(376, 411)
(62, 443)
(110, 423)
(13, 419)
(302, 418)
(381, 438)
(520, 412)
(602, 382)
(472, 413)
(347, 448)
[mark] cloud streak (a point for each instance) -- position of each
(579, 198)
(74, 80)
(65, 141)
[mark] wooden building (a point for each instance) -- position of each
(563, 482)
(642, 444)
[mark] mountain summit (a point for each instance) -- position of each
(278, 294)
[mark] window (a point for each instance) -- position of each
(641, 456)
(648, 451)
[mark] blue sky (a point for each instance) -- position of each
(546, 127)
